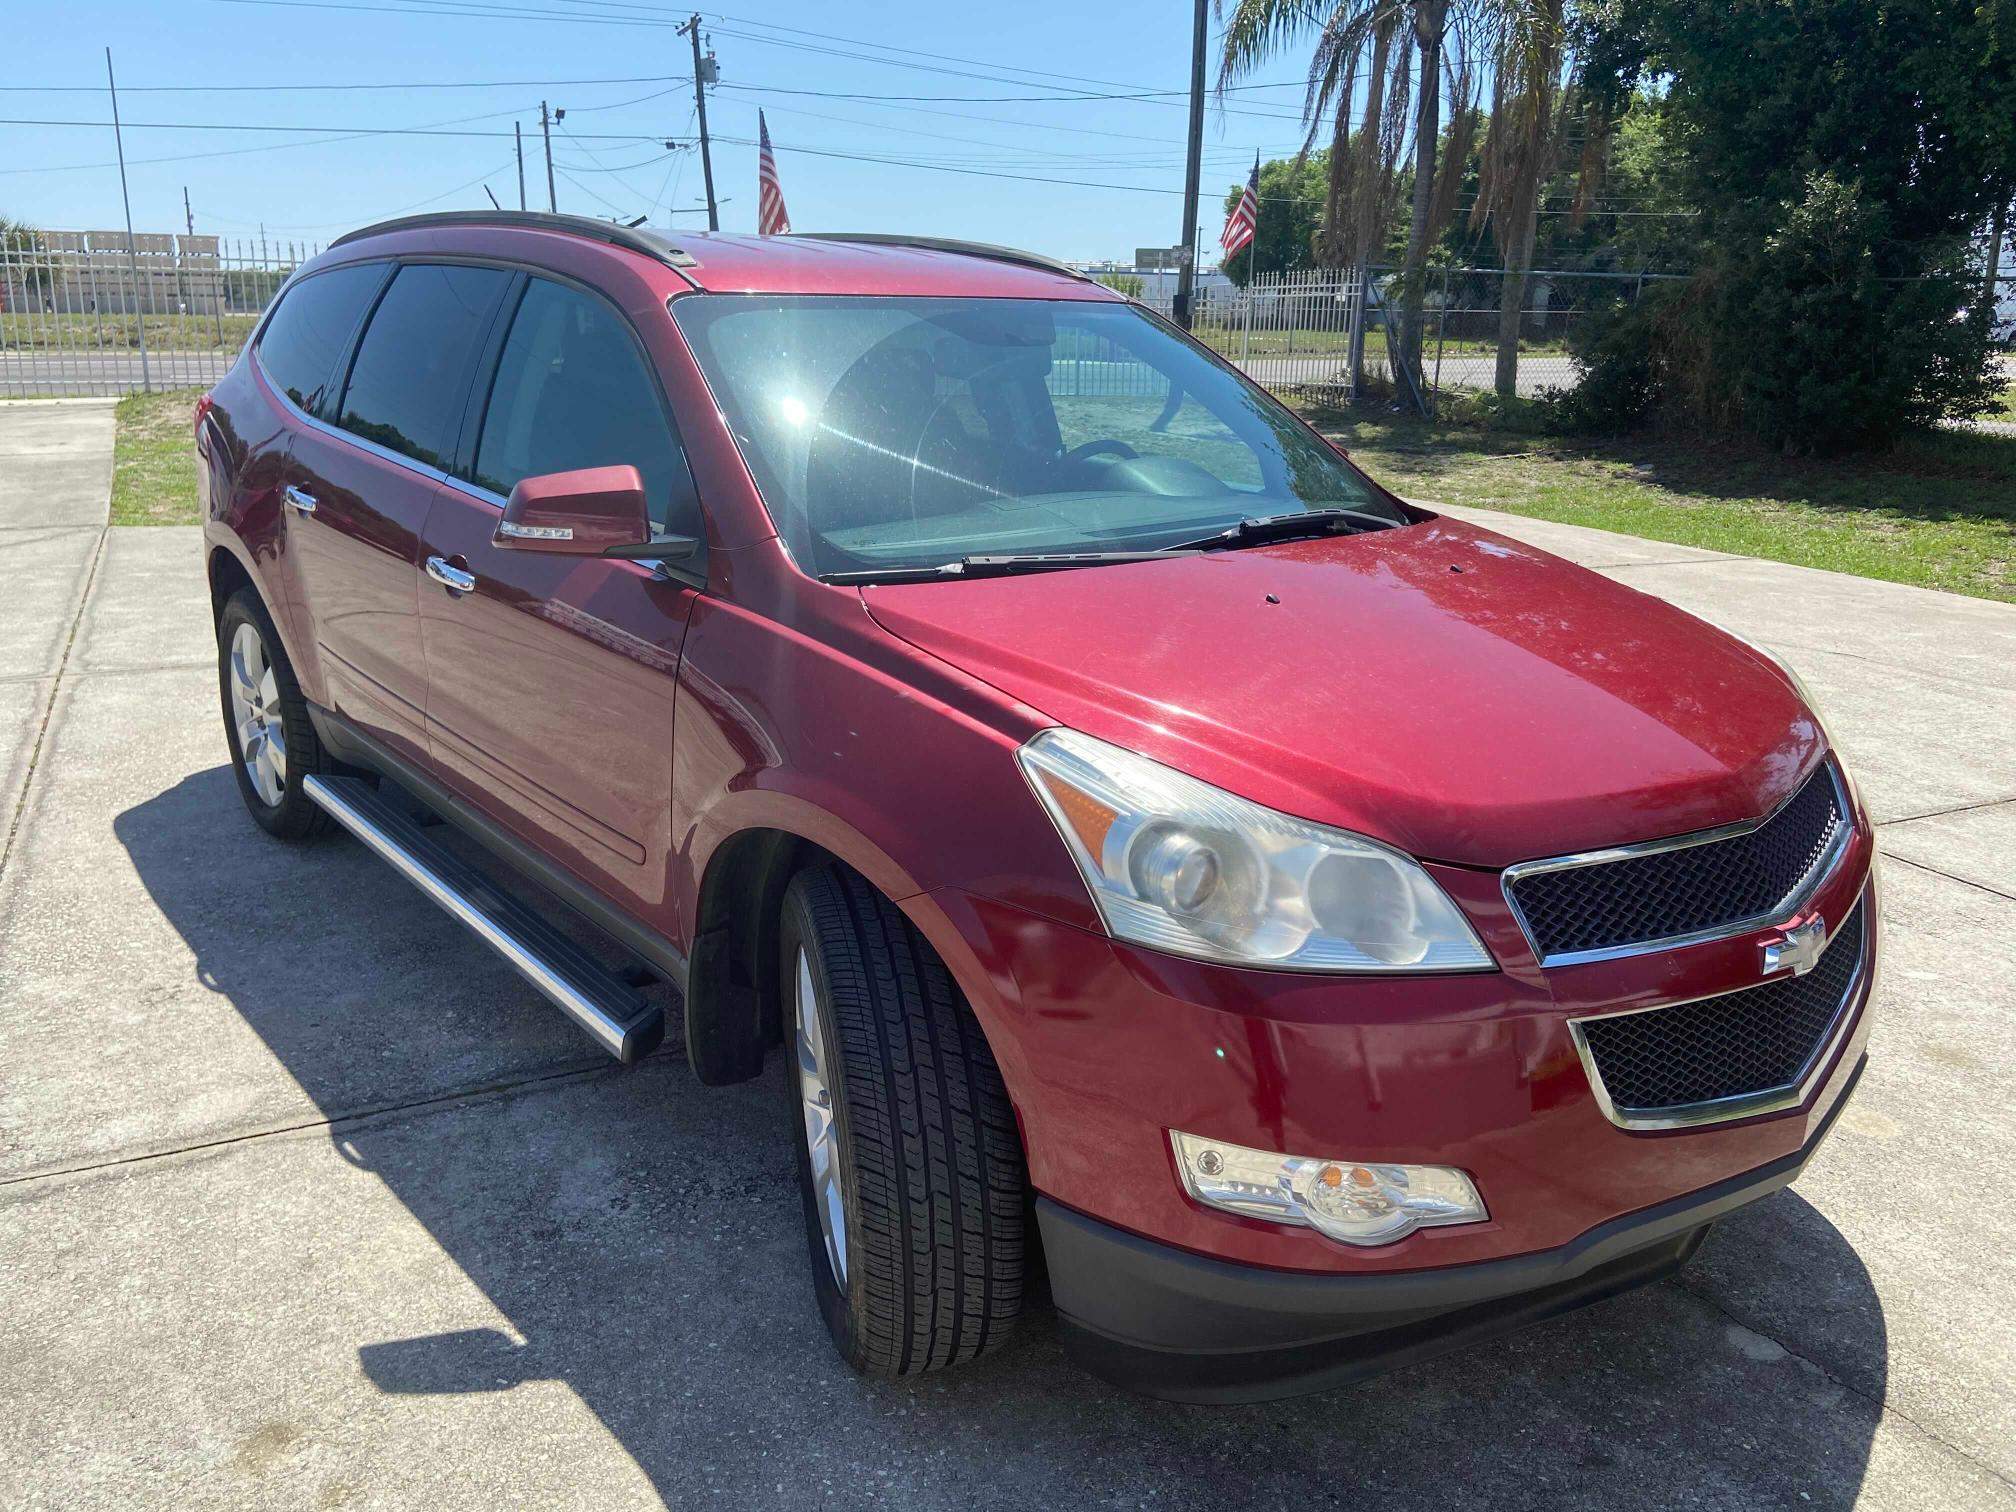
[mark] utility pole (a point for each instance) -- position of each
(1186, 275)
(705, 72)
(132, 251)
(518, 136)
(188, 215)
(546, 130)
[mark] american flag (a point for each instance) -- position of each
(1245, 217)
(771, 218)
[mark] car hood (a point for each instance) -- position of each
(1441, 687)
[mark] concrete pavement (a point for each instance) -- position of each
(307, 1201)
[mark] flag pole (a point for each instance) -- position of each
(1252, 265)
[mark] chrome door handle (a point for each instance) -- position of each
(299, 501)
(454, 579)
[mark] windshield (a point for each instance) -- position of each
(909, 433)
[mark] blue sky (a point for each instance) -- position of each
(961, 66)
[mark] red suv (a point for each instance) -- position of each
(1330, 930)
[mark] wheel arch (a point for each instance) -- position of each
(227, 575)
(733, 1003)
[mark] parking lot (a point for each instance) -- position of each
(308, 1201)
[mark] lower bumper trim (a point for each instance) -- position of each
(1170, 1323)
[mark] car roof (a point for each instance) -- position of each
(837, 263)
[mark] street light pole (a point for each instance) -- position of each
(700, 81)
(546, 130)
(132, 251)
(1186, 275)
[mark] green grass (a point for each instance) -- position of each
(154, 459)
(2006, 409)
(1939, 512)
(32, 330)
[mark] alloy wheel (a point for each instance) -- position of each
(822, 1135)
(255, 712)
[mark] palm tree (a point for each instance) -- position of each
(1529, 54)
(1386, 43)
(24, 274)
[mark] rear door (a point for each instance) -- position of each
(551, 679)
(300, 356)
(361, 479)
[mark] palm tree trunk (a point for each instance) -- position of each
(1518, 262)
(1430, 17)
(1364, 206)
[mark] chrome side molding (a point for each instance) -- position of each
(618, 1017)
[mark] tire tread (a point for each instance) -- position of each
(936, 1160)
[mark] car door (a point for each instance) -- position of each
(360, 484)
(551, 678)
(300, 356)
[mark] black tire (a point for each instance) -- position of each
(294, 817)
(930, 1163)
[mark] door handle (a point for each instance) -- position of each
(454, 579)
(298, 500)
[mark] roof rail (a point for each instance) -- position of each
(944, 244)
(650, 243)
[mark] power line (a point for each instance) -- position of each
(99, 89)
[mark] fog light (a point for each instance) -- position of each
(1344, 1200)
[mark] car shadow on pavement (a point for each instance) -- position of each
(642, 1237)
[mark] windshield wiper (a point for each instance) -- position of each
(996, 566)
(1258, 530)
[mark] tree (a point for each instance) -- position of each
(1375, 43)
(26, 275)
(1529, 52)
(1839, 159)
(1291, 203)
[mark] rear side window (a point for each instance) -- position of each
(304, 340)
(573, 391)
(412, 371)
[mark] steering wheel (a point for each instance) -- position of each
(1091, 449)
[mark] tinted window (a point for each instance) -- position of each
(912, 432)
(572, 391)
(304, 340)
(413, 367)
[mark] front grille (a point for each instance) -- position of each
(1685, 890)
(1742, 1044)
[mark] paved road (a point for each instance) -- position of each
(42, 373)
(306, 1201)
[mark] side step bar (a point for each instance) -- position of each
(581, 987)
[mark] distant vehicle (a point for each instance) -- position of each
(1330, 930)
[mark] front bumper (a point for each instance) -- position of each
(1169, 1323)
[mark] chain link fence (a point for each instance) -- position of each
(1297, 331)
(94, 312)
(74, 309)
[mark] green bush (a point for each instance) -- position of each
(1798, 342)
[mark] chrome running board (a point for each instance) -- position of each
(620, 1019)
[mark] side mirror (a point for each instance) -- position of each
(591, 511)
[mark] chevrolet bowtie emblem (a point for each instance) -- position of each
(1799, 951)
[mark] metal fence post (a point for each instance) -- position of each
(1441, 329)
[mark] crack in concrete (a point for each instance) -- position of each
(1880, 1403)
(440, 1101)
(55, 695)
(1963, 808)
(1993, 892)
(97, 672)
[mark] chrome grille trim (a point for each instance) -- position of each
(1785, 908)
(1854, 998)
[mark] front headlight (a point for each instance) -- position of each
(1178, 865)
